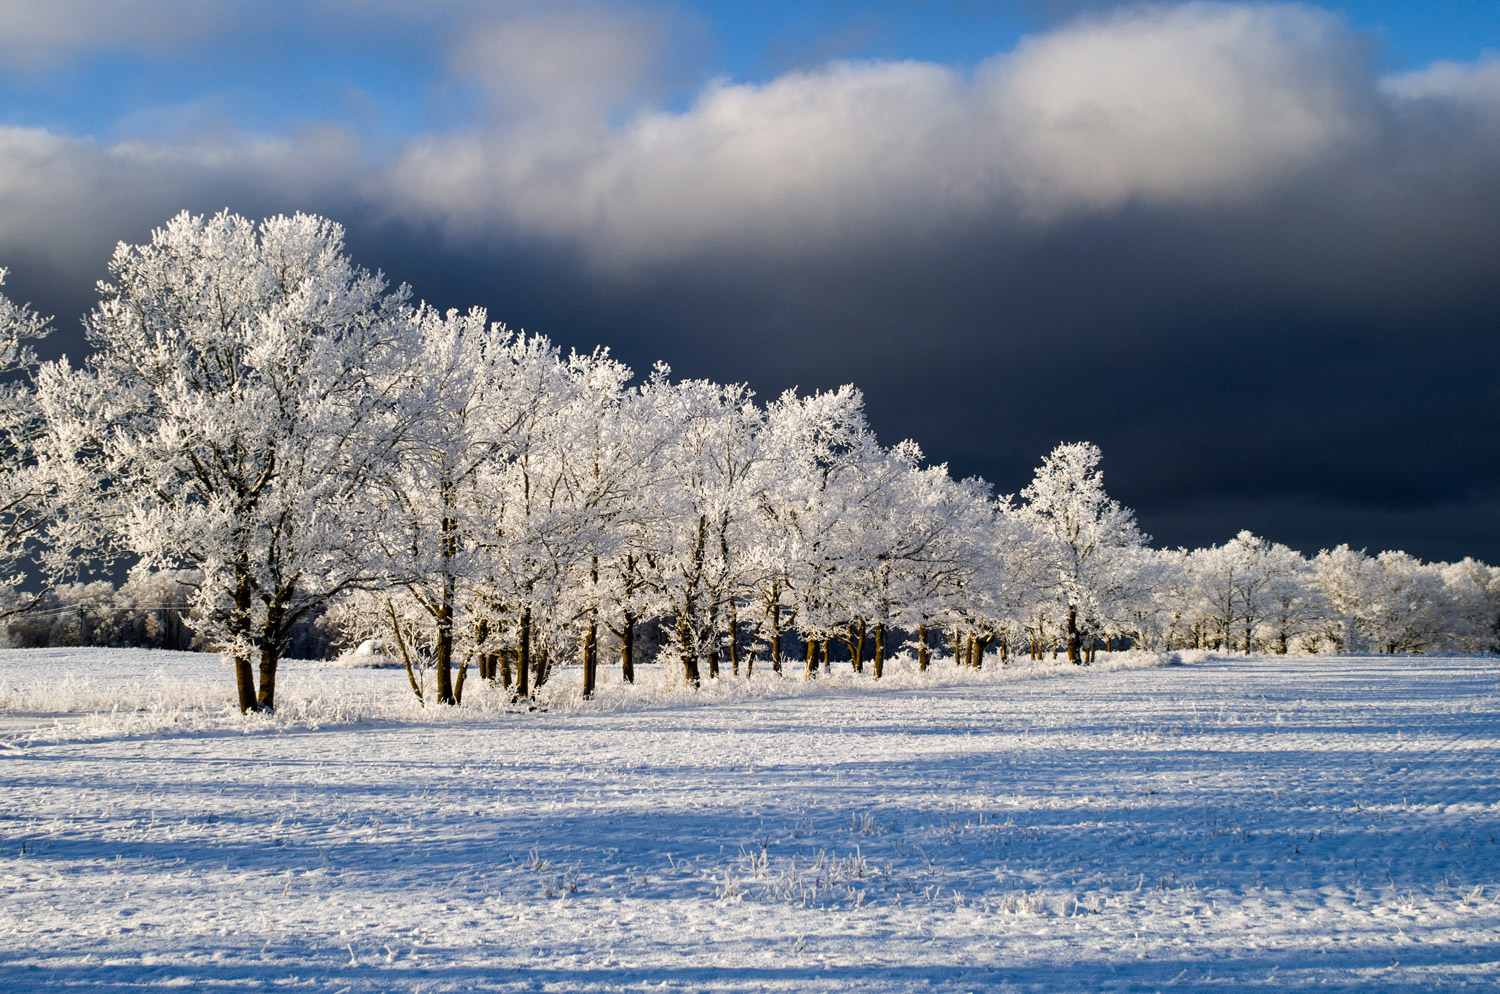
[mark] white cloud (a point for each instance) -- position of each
(1164, 105)
(1174, 104)
(60, 195)
(782, 162)
(1184, 105)
(1476, 82)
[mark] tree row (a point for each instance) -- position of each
(298, 439)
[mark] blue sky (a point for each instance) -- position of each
(1247, 248)
(274, 67)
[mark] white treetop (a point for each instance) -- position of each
(236, 398)
(1090, 533)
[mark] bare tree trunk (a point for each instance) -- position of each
(591, 637)
(543, 668)
(411, 671)
(481, 649)
(244, 677)
(523, 656)
(776, 632)
(687, 617)
(627, 648)
(827, 656)
(734, 639)
(922, 648)
(981, 643)
(178, 630)
(753, 642)
(590, 659)
(270, 655)
(812, 658)
(443, 646)
(458, 682)
(448, 550)
(879, 668)
(689, 654)
(1074, 641)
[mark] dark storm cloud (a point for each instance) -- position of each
(1206, 237)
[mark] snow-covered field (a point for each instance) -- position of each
(1230, 822)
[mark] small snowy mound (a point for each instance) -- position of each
(368, 655)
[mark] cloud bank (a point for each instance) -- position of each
(1169, 106)
(1199, 106)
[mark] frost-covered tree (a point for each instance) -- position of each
(1123, 612)
(1343, 578)
(531, 524)
(1473, 588)
(710, 494)
(1252, 592)
(1213, 571)
(1092, 536)
(1294, 601)
(890, 535)
(1251, 587)
(1164, 616)
(1405, 608)
(431, 534)
(816, 448)
(1392, 602)
(236, 403)
(962, 552)
(996, 572)
(29, 480)
(610, 460)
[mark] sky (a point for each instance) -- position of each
(1250, 250)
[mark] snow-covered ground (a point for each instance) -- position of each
(1229, 822)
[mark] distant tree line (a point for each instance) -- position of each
(150, 610)
(281, 437)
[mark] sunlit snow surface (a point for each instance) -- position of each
(1272, 823)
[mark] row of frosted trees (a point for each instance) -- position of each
(300, 439)
(1250, 595)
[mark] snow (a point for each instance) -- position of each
(1265, 822)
